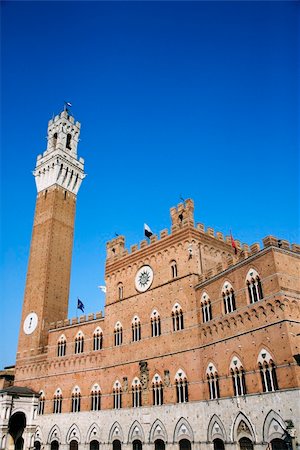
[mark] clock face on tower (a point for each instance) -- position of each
(30, 323)
(143, 278)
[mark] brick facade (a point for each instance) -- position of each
(249, 353)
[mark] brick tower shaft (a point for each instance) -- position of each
(58, 176)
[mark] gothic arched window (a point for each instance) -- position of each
(238, 377)
(68, 143)
(95, 398)
(41, 404)
(254, 286)
(177, 317)
(228, 298)
(157, 387)
(120, 291)
(61, 346)
(267, 370)
(76, 397)
(136, 393)
(136, 329)
(182, 395)
(79, 342)
(174, 272)
(57, 401)
(118, 334)
(97, 339)
(206, 308)
(155, 324)
(213, 382)
(117, 393)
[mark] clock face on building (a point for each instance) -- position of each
(30, 323)
(143, 278)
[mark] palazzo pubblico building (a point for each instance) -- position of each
(198, 348)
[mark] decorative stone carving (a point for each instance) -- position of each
(144, 374)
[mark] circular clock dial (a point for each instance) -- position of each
(30, 323)
(143, 278)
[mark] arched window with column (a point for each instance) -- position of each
(57, 401)
(96, 398)
(174, 271)
(117, 394)
(118, 334)
(136, 329)
(254, 286)
(267, 370)
(158, 393)
(238, 377)
(79, 342)
(206, 308)
(177, 317)
(213, 381)
(61, 345)
(155, 324)
(97, 339)
(41, 404)
(228, 298)
(75, 400)
(136, 393)
(120, 291)
(182, 395)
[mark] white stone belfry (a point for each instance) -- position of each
(59, 163)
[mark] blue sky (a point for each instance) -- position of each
(198, 99)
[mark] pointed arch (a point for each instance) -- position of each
(155, 323)
(73, 434)
(242, 427)
(157, 390)
(228, 298)
(38, 435)
(254, 286)
(183, 430)
(181, 382)
(158, 431)
(97, 339)
(136, 432)
(54, 434)
(116, 432)
(136, 328)
(93, 433)
(206, 307)
(213, 381)
(216, 429)
(177, 317)
(79, 342)
(267, 370)
(273, 427)
(238, 376)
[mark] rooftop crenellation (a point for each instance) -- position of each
(75, 321)
(183, 216)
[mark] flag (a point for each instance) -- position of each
(69, 104)
(147, 231)
(80, 305)
(233, 244)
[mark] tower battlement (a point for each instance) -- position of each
(59, 163)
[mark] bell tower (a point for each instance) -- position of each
(58, 176)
